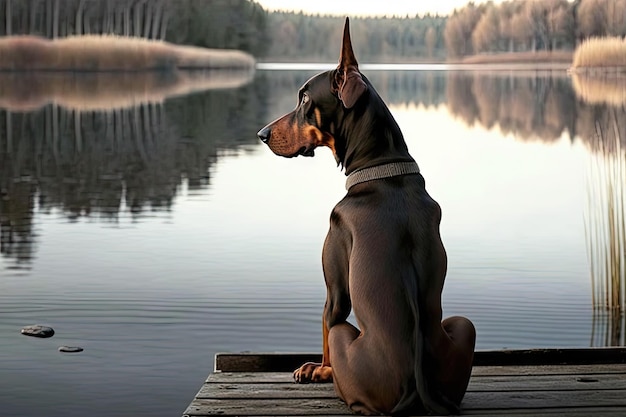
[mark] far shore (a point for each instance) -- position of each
(93, 53)
(526, 58)
(558, 60)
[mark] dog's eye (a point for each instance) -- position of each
(305, 98)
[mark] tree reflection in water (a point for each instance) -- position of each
(93, 145)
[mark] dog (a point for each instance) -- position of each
(383, 255)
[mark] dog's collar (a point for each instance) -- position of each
(381, 171)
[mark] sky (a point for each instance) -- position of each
(367, 7)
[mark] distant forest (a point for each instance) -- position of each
(509, 26)
(233, 24)
(530, 25)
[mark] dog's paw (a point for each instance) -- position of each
(313, 372)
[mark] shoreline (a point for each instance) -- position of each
(526, 58)
(444, 66)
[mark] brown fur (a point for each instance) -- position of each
(383, 257)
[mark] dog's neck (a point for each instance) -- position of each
(381, 171)
(374, 138)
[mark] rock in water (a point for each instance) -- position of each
(70, 349)
(38, 330)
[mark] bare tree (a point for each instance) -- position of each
(9, 18)
(147, 19)
(34, 6)
(430, 41)
(137, 14)
(537, 15)
(592, 17)
(521, 30)
(459, 29)
(561, 25)
(165, 13)
(158, 12)
(487, 32)
(55, 20)
(127, 9)
(80, 10)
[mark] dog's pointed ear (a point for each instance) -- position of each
(348, 84)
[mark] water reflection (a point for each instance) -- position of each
(224, 251)
(531, 106)
(26, 92)
(100, 145)
(591, 110)
(601, 88)
(105, 146)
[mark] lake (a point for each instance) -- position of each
(141, 218)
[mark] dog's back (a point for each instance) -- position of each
(388, 230)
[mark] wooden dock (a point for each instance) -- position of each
(564, 382)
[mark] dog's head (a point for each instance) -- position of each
(323, 103)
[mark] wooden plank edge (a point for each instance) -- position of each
(535, 357)
(287, 362)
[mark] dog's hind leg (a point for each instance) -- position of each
(462, 335)
(359, 379)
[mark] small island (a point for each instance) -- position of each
(112, 53)
(600, 54)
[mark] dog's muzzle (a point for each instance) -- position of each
(264, 134)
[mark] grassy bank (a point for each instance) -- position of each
(605, 54)
(111, 53)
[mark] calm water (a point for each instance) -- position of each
(142, 220)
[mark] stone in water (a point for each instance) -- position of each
(38, 330)
(70, 349)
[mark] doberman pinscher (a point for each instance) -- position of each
(383, 255)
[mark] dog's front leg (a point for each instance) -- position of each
(317, 372)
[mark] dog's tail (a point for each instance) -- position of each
(422, 395)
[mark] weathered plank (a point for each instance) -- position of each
(250, 377)
(549, 370)
(264, 391)
(482, 371)
(287, 389)
(483, 402)
(547, 383)
(568, 412)
(265, 362)
(267, 407)
(529, 400)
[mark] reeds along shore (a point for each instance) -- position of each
(604, 53)
(112, 53)
(605, 226)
